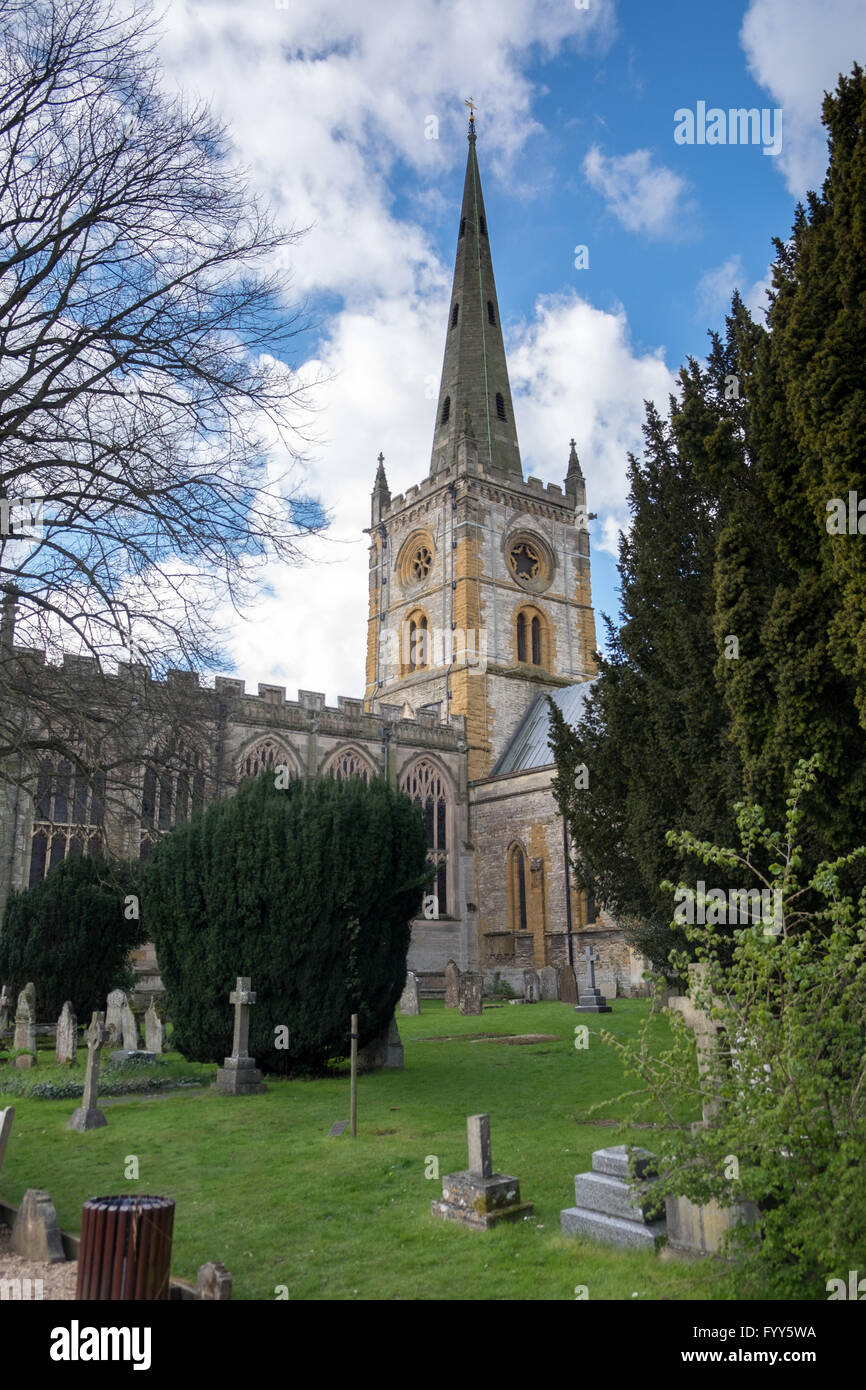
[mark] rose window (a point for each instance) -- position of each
(421, 562)
(524, 561)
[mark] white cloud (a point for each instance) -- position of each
(644, 197)
(716, 286)
(322, 100)
(574, 372)
(796, 50)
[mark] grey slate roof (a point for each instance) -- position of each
(528, 747)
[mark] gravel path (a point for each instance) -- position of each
(58, 1280)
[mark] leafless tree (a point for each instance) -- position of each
(145, 404)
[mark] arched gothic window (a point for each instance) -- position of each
(446, 410)
(349, 763)
(265, 756)
(418, 654)
(516, 869)
(455, 314)
(172, 787)
(425, 784)
(530, 634)
(500, 406)
(68, 815)
(536, 641)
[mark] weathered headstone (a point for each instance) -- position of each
(478, 1197)
(5, 1006)
(531, 987)
(35, 1232)
(88, 1115)
(469, 993)
(154, 1030)
(591, 1000)
(605, 1207)
(410, 1003)
(128, 1028)
(114, 1017)
(66, 1042)
(452, 985)
(238, 1075)
(25, 1027)
(567, 985)
(6, 1118)
(386, 1051)
(213, 1282)
(549, 978)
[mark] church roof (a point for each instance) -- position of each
(528, 746)
(474, 390)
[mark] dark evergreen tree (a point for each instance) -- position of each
(309, 890)
(72, 935)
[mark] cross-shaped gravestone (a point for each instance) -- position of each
(88, 1115)
(478, 1133)
(591, 958)
(238, 1075)
(242, 996)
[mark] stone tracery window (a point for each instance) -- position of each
(421, 562)
(516, 885)
(172, 787)
(349, 763)
(264, 756)
(425, 784)
(68, 816)
(524, 561)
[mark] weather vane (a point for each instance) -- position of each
(471, 104)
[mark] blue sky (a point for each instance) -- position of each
(330, 106)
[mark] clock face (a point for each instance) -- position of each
(421, 562)
(524, 561)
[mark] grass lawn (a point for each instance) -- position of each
(260, 1186)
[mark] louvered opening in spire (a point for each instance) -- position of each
(474, 370)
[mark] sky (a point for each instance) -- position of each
(350, 120)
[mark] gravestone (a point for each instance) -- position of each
(478, 1197)
(6, 1118)
(35, 1232)
(549, 977)
(238, 1075)
(410, 1003)
(5, 1005)
(88, 1115)
(25, 1026)
(531, 987)
(128, 1028)
(386, 1051)
(567, 985)
(213, 1281)
(66, 1043)
(114, 1017)
(592, 1001)
(452, 986)
(469, 993)
(605, 1208)
(154, 1030)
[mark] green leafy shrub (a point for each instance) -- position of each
(309, 890)
(784, 1085)
(70, 935)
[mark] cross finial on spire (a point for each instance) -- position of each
(381, 458)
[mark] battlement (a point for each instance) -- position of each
(310, 704)
(552, 493)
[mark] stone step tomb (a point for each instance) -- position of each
(591, 1000)
(605, 1208)
(479, 1197)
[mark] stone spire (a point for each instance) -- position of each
(575, 485)
(381, 492)
(474, 370)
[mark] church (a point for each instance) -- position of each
(479, 608)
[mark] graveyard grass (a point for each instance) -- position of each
(260, 1186)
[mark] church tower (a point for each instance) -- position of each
(479, 579)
